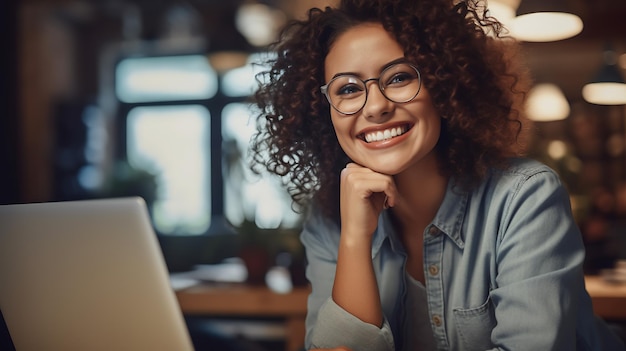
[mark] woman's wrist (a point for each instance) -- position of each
(354, 239)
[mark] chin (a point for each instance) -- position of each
(384, 169)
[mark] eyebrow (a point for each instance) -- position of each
(390, 63)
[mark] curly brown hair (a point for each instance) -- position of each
(465, 62)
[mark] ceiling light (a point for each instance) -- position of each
(557, 149)
(259, 23)
(541, 20)
(546, 102)
(503, 10)
(607, 87)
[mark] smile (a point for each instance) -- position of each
(386, 134)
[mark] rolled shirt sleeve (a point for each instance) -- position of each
(327, 324)
(335, 323)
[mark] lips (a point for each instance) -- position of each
(384, 134)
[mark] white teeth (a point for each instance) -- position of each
(384, 135)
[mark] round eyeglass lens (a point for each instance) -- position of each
(347, 94)
(400, 83)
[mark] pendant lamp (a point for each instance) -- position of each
(503, 10)
(546, 102)
(608, 86)
(545, 20)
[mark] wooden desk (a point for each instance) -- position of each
(609, 302)
(249, 301)
(609, 299)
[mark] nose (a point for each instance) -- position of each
(376, 104)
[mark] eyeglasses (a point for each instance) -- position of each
(399, 83)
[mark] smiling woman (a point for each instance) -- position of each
(398, 125)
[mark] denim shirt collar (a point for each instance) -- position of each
(448, 220)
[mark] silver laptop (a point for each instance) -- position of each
(86, 275)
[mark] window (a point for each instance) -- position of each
(191, 128)
(172, 142)
(167, 127)
(249, 196)
(167, 78)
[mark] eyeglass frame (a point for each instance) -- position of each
(324, 88)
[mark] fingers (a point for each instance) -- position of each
(364, 194)
(369, 184)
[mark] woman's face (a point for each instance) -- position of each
(365, 51)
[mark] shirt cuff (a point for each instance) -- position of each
(336, 327)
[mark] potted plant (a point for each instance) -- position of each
(259, 247)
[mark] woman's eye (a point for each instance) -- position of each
(349, 89)
(400, 78)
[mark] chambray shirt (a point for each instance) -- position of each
(502, 265)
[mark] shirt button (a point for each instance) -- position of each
(433, 269)
(434, 231)
(437, 320)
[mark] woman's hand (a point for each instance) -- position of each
(364, 194)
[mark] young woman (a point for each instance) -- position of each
(398, 122)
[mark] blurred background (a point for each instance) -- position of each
(104, 98)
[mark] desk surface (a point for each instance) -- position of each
(609, 299)
(250, 301)
(241, 299)
(598, 287)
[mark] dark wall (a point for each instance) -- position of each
(8, 121)
(9, 170)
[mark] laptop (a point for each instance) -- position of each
(86, 275)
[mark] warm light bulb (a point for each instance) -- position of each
(605, 93)
(502, 12)
(557, 149)
(546, 102)
(259, 23)
(546, 26)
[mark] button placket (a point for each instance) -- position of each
(433, 251)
